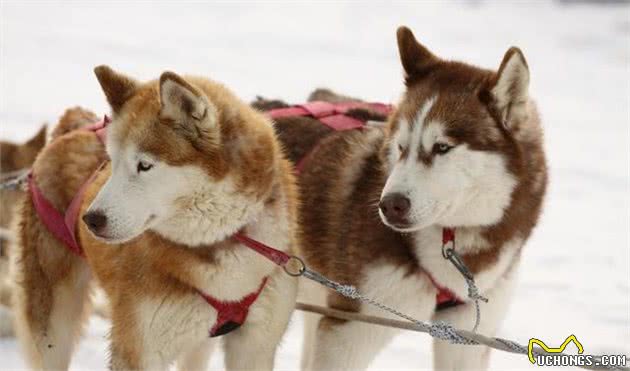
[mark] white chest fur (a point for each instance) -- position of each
(239, 271)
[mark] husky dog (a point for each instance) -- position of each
(189, 166)
(13, 158)
(463, 150)
(16, 157)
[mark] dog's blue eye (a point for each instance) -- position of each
(143, 166)
(441, 148)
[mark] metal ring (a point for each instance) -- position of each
(300, 270)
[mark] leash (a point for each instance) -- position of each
(449, 253)
(294, 266)
(501, 344)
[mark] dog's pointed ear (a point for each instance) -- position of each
(38, 141)
(415, 58)
(180, 101)
(117, 87)
(510, 88)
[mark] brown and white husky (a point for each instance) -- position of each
(463, 150)
(189, 166)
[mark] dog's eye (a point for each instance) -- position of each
(441, 148)
(401, 149)
(144, 166)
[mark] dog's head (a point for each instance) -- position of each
(17, 156)
(188, 160)
(450, 149)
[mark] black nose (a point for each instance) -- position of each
(95, 220)
(395, 207)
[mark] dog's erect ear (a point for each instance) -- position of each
(415, 58)
(38, 141)
(118, 88)
(510, 89)
(181, 102)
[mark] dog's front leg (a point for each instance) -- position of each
(347, 345)
(151, 332)
(196, 358)
(253, 346)
(351, 345)
(447, 356)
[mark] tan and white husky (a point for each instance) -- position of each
(463, 150)
(14, 157)
(189, 166)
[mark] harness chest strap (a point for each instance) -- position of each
(231, 314)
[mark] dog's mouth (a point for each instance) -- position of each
(110, 240)
(399, 226)
(403, 227)
(103, 237)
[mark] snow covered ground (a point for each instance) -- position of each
(576, 269)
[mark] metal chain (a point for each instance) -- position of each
(452, 256)
(440, 329)
(14, 180)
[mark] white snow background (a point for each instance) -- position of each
(574, 277)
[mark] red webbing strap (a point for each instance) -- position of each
(331, 114)
(444, 295)
(448, 235)
(278, 257)
(342, 122)
(52, 218)
(72, 213)
(231, 314)
(63, 227)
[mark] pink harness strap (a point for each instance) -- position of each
(332, 115)
(63, 227)
(52, 218)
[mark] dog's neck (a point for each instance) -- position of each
(210, 215)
